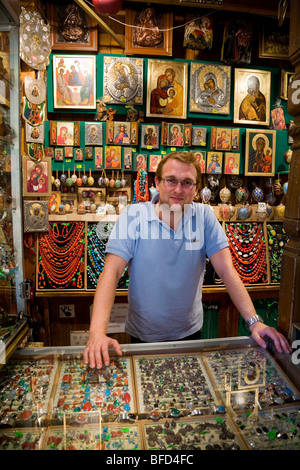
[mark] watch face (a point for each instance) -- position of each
(35, 44)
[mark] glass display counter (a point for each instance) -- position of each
(222, 394)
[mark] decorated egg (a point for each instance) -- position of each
(106, 182)
(285, 187)
(79, 182)
(224, 211)
(277, 188)
(112, 182)
(279, 211)
(63, 178)
(258, 194)
(269, 211)
(69, 182)
(241, 194)
(242, 213)
(84, 179)
(225, 194)
(288, 156)
(74, 178)
(57, 183)
(100, 181)
(123, 182)
(205, 194)
(90, 181)
(52, 179)
(117, 183)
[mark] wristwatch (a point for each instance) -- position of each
(254, 319)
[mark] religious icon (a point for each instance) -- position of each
(198, 33)
(223, 139)
(232, 163)
(201, 158)
(36, 177)
(127, 159)
(150, 136)
(140, 162)
(237, 41)
(214, 162)
(123, 80)
(260, 152)
(210, 88)
(74, 82)
(153, 162)
(167, 89)
(34, 133)
(64, 133)
(93, 133)
(121, 133)
(252, 97)
(199, 136)
(113, 157)
(98, 158)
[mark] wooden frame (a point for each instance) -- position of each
(74, 81)
(36, 217)
(274, 40)
(99, 158)
(171, 138)
(210, 88)
(83, 38)
(36, 177)
(248, 82)
(140, 161)
(154, 160)
(127, 159)
(164, 79)
(35, 133)
(157, 40)
(260, 152)
(286, 78)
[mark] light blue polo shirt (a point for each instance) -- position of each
(166, 268)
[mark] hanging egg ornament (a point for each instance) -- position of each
(258, 194)
(91, 181)
(63, 177)
(241, 194)
(205, 195)
(74, 177)
(123, 182)
(79, 180)
(225, 194)
(106, 181)
(84, 179)
(57, 182)
(277, 188)
(100, 181)
(288, 156)
(285, 187)
(52, 180)
(117, 183)
(231, 210)
(112, 183)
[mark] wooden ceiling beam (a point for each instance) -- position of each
(255, 7)
(92, 13)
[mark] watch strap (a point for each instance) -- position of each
(253, 319)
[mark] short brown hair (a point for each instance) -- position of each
(181, 156)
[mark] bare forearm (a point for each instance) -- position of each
(103, 302)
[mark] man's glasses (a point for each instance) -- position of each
(173, 182)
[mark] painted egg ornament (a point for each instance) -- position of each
(79, 181)
(279, 211)
(241, 194)
(285, 187)
(106, 182)
(224, 211)
(100, 181)
(242, 213)
(63, 178)
(225, 194)
(277, 188)
(84, 179)
(258, 194)
(90, 181)
(205, 194)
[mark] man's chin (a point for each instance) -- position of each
(176, 207)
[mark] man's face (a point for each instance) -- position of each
(176, 197)
(170, 77)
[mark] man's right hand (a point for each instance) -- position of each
(96, 350)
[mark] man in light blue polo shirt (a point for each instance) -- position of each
(165, 244)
